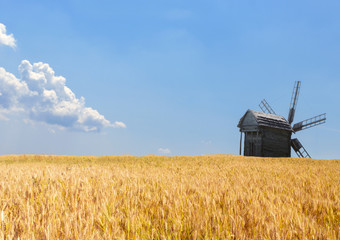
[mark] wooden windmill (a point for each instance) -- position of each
(267, 134)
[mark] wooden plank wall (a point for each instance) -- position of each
(253, 144)
(275, 142)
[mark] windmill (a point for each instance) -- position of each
(305, 124)
(270, 135)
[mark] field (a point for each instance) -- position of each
(153, 197)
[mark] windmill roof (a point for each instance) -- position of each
(264, 120)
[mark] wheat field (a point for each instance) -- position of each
(154, 197)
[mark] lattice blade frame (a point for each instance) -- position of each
(293, 101)
(310, 122)
(299, 149)
(266, 108)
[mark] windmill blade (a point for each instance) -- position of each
(299, 149)
(293, 101)
(310, 122)
(266, 107)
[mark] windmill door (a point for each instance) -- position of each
(252, 144)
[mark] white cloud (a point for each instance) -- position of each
(164, 151)
(44, 97)
(51, 130)
(6, 39)
(119, 124)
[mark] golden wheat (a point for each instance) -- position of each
(153, 197)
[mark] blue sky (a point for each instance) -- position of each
(165, 77)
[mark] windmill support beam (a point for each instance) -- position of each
(241, 143)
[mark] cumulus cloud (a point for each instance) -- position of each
(164, 151)
(6, 39)
(44, 97)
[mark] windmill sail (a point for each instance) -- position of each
(266, 107)
(293, 101)
(299, 149)
(310, 122)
